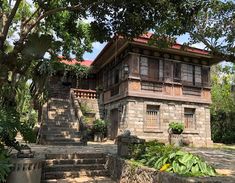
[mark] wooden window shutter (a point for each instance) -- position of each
(177, 71)
(198, 76)
(144, 66)
(153, 69)
(161, 70)
(168, 72)
(205, 76)
(135, 65)
(187, 74)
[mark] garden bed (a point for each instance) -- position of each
(126, 171)
(159, 163)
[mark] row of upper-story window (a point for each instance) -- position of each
(170, 71)
(160, 70)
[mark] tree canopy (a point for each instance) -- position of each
(31, 29)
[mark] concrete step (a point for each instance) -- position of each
(74, 161)
(81, 180)
(74, 156)
(71, 167)
(73, 174)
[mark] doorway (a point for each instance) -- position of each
(114, 123)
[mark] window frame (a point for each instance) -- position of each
(190, 111)
(147, 125)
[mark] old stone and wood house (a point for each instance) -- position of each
(143, 88)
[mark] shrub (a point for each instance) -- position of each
(5, 165)
(176, 127)
(9, 126)
(170, 159)
(100, 126)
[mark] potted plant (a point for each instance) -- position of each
(175, 131)
(99, 129)
(176, 127)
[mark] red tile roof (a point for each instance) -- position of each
(86, 63)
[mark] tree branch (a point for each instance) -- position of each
(46, 14)
(8, 23)
(217, 53)
(30, 18)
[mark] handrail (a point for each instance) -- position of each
(87, 94)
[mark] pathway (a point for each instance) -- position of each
(222, 159)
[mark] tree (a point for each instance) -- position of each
(223, 104)
(29, 30)
(213, 24)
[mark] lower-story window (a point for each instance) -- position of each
(189, 118)
(152, 120)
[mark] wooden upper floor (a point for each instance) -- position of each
(133, 68)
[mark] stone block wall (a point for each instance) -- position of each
(124, 171)
(132, 116)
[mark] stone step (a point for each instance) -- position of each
(59, 133)
(57, 143)
(81, 180)
(75, 161)
(71, 167)
(73, 174)
(58, 128)
(62, 139)
(68, 125)
(74, 155)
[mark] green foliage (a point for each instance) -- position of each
(10, 125)
(223, 104)
(176, 127)
(170, 159)
(5, 165)
(100, 126)
(84, 108)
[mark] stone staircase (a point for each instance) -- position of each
(75, 168)
(60, 127)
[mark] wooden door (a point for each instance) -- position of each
(114, 123)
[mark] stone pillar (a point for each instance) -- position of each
(124, 142)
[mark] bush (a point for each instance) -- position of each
(100, 126)
(5, 165)
(170, 159)
(9, 126)
(223, 126)
(176, 127)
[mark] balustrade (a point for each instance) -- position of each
(87, 94)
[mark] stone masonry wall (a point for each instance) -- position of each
(133, 113)
(124, 171)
